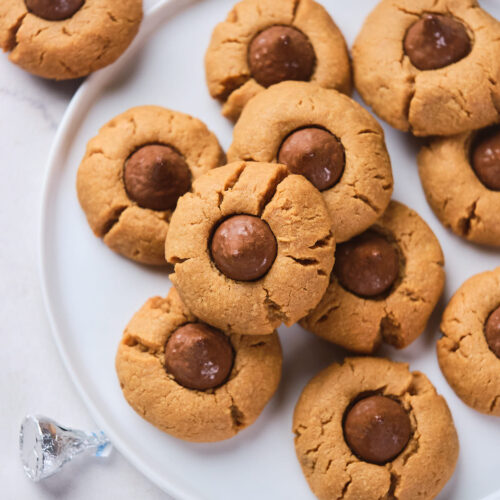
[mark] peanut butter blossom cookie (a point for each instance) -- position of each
(252, 247)
(262, 43)
(430, 67)
(370, 428)
(191, 380)
(133, 173)
(469, 351)
(461, 180)
(384, 285)
(63, 39)
(329, 139)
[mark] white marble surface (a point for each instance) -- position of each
(33, 378)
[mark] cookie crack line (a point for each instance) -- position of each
(322, 242)
(257, 344)
(295, 9)
(414, 444)
(139, 345)
(231, 84)
(348, 483)
(368, 131)
(305, 261)
(395, 479)
(67, 68)
(237, 416)
(113, 220)
(271, 192)
(345, 488)
(457, 343)
(266, 197)
(99, 151)
(409, 100)
(496, 400)
(178, 260)
(409, 12)
(465, 223)
(412, 297)
(445, 203)
(103, 51)
(226, 188)
(274, 310)
(461, 105)
(12, 39)
(492, 96)
(111, 17)
(326, 315)
(315, 449)
(131, 120)
(40, 30)
(390, 329)
(367, 202)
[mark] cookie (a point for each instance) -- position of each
(384, 285)
(134, 171)
(370, 428)
(461, 179)
(190, 380)
(262, 43)
(328, 138)
(252, 247)
(64, 39)
(469, 351)
(430, 67)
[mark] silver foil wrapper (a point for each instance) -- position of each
(45, 446)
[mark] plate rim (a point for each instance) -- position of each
(63, 134)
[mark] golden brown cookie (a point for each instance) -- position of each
(63, 39)
(430, 66)
(261, 43)
(454, 189)
(251, 274)
(157, 395)
(321, 425)
(128, 189)
(469, 351)
(384, 285)
(359, 182)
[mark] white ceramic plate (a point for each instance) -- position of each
(91, 293)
